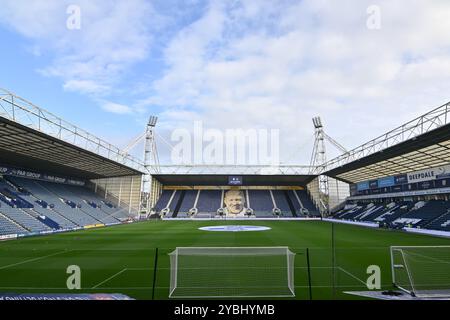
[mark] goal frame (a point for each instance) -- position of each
(413, 292)
(290, 275)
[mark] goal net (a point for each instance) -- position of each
(232, 272)
(422, 271)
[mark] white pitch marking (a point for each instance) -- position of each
(34, 259)
(352, 275)
(113, 276)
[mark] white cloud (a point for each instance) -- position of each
(116, 108)
(114, 36)
(260, 64)
(85, 86)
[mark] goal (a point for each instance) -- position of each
(231, 272)
(422, 271)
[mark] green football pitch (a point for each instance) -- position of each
(121, 259)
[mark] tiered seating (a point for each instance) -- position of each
(24, 219)
(79, 215)
(173, 204)
(370, 212)
(261, 203)
(163, 200)
(47, 212)
(307, 203)
(394, 212)
(188, 202)
(433, 215)
(60, 212)
(11, 198)
(12, 205)
(281, 202)
(8, 227)
(46, 195)
(343, 211)
(28, 205)
(114, 213)
(63, 223)
(423, 215)
(96, 213)
(295, 203)
(122, 213)
(209, 201)
(352, 212)
(441, 223)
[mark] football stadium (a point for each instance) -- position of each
(224, 158)
(76, 218)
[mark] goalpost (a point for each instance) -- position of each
(231, 272)
(422, 271)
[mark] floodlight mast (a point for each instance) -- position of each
(151, 160)
(319, 160)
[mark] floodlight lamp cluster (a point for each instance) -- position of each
(152, 121)
(317, 121)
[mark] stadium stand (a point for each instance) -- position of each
(24, 219)
(261, 203)
(187, 203)
(423, 213)
(163, 200)
(307, 203)
(441, 223)
(32, 206)
(179, 203)
(209, 201)
(282, 203)
(108, 213)
(8, 226)
(174, 203)
(64, 206)
(86, 205)
(296, 204)
(431, 214)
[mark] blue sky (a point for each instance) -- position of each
(232, 64)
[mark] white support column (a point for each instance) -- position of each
(248, 199)
(196, 199)
(171, 198)
(120, 192)
(131, 193)
(298, 199)
(222, 196)
(273, 199)
(140, 202)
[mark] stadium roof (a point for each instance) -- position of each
(234, 169)
(222, 180)
(33, 138)
(422, 143)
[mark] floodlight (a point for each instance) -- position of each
(317, 122)
(152, 121)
